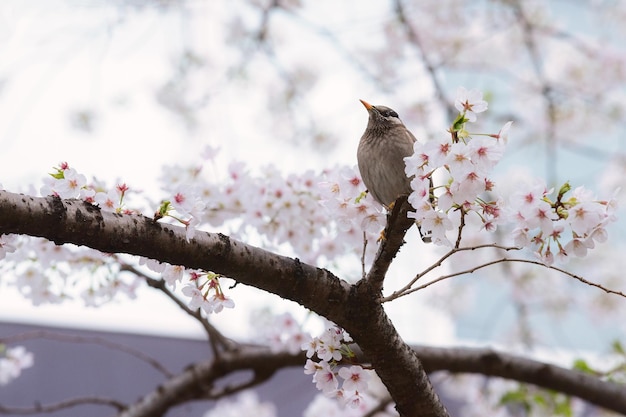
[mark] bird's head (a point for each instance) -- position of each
(381, 118)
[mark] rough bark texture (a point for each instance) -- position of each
(355, 308)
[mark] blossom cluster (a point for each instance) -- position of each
(330, 349)
(7, 245)
(46, 273)
(558, 227)
(202, 288)
(462, 163)
(284, 333)
(360, 389)
(65, 182)
(289, 214)
(281, 212)
(359, 220)
(370, 405)
(12, 362)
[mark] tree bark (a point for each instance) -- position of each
(80, 223)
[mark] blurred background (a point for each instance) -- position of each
(120, 88)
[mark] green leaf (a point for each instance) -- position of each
(565, 188)
(459, 122)
(618, 348)
(516, 397)
(57, 175)
(582, 366)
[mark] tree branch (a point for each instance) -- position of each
(80, 223)
(199, 380)
(489, 362)
(355, 308)
(100, 341)
(62, 405)
(414, 39)
(483, 361)
(397, 225)
(407, 288)
(501, 260)
(217, 340)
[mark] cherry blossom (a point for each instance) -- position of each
(109, 201)
(7, 244)
(205, 293)
(325, 379)
(355, 379)
(469, 103)
(12, 362)
(173, 274)
(463, 164)
(246, 403)
(66, 182)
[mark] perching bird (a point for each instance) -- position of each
(382, 149)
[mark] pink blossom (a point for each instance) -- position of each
(173, 274)
(355, 378)
(469, 103)
(12, 363)
(437, 223)
(217, 302)
(311, 367)
(7, 245)
(325, 379)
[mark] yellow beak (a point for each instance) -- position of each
(366, 104)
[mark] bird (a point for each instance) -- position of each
(380, 156)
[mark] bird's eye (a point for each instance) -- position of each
(389, 113)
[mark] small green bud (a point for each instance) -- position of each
(565, 188)
(360, 197)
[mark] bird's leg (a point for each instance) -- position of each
(389, 209)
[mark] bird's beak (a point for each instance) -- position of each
(366, 104)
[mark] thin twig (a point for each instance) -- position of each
(62, 405)
(101, 341)
(258, 378)
(401, 291)
(461, 226)
(414, 39)
(497, 261)
(363, 255)
(216, 338)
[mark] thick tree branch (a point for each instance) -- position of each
(80, 223)
(397, 225)
(483, 361)
(199, 381)
(489, 362)
(395, 362)
(355, 308)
